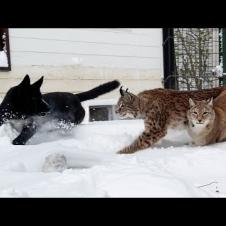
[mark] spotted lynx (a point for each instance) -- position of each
(207, 120)
(160, 109)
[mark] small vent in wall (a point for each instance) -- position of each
(102, 113)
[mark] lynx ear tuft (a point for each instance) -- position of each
(191, 102)
(210, 101)
(121, 91)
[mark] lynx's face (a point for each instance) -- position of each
(201, 113)
(128, 105)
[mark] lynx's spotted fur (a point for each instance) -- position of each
(160, 109)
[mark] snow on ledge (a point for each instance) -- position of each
(3, 59)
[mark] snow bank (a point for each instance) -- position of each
(170, 169)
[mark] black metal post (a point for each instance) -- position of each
(224, 54)
(169, 58)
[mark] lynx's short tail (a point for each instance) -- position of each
(99, 90)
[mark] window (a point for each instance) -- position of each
(102, 113)
(5, 64)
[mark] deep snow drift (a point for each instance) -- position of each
(171, 169)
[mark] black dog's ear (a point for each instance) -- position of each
(26, 81)
(38, 83)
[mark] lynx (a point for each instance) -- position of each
(160, 109)
(207, 120)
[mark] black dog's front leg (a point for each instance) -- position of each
(27, 132)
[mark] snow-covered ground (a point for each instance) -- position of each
(171, 169)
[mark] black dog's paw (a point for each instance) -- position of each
(18, 142)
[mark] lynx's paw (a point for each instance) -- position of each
(54, 163)
(120, 152)
(124, 151)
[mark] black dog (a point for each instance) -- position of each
(27, 109)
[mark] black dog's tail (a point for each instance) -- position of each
(99, 90)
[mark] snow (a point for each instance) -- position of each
(218, 70)
(3, 59)
(173, 168)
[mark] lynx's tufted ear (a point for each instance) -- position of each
(127, 95)
(191, 102)
(122, 92)
(210, 102)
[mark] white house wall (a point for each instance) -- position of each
(78, 59)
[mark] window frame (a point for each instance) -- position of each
(6, 31)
